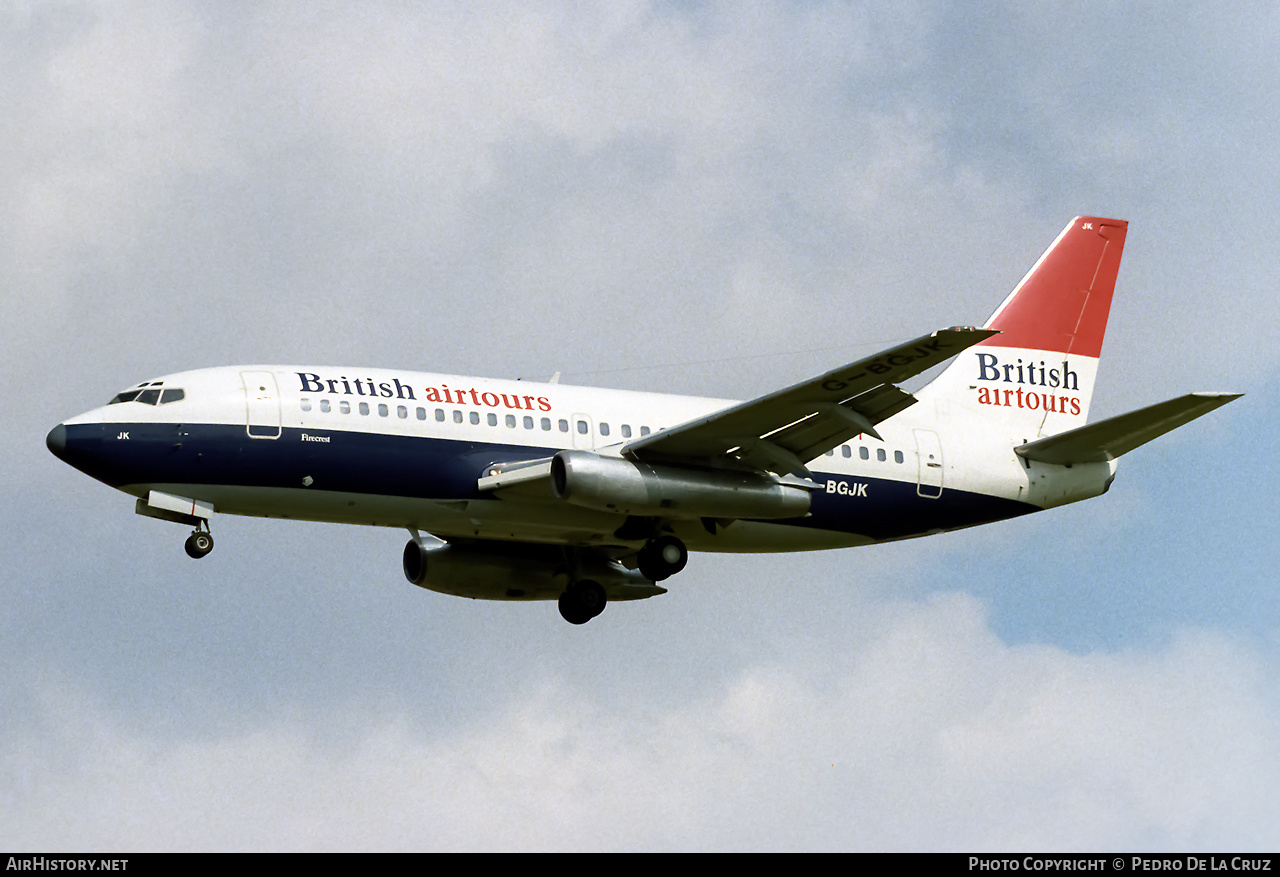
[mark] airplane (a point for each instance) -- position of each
(514, 490)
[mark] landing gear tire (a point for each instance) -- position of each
(582, 601)
(199, 544)
(662, 557)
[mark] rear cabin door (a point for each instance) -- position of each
(929, 454)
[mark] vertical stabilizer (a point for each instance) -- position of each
(1036, 377)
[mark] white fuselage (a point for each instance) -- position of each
(405, 449)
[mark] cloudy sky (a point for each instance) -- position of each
(707, 198)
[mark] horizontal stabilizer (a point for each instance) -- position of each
(1107, 439)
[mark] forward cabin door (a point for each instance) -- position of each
(262, 404)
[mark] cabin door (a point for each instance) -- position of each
(929, 455)
(262, 404)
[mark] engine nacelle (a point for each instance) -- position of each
(611, 484)
(514, 571)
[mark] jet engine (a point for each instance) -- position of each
(611, 484)
(516, 571)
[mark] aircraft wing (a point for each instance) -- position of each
(781, 431)
(1107, 439)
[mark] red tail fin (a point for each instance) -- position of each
(1036, 377)
(1063, 303)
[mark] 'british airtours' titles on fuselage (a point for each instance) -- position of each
(1035, 374)
(443, 394)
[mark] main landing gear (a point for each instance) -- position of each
(662, 557)
(582, 601)
(199, 543)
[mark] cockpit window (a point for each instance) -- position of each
(150, 394)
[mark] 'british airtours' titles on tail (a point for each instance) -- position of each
(394, 389)
(1035, 374)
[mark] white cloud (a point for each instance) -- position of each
(931, 734)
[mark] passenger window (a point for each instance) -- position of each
(383, 410)
(626, 430)
(880, 454)
(475, 418)
(457, 416)
(325, 406)
(564, 426)
(439, 415)
(364, 408)
(897, 456)
(546, 424)
(306, 404)
(831, 453)
(493, 419)
(863, 454)
(604, 429)
(422, 414)
(528, 422)
(402, 412)
(846, 451)
(344, 406)
(644, 430)
(582, 427)
(511, 421)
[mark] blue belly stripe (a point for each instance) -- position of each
(446, 469)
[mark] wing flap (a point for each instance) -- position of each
(1108, 439)
(832, 425)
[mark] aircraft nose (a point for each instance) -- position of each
(56, 441)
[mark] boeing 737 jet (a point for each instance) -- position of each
(514, 490)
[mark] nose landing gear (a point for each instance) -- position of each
(199, 543)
